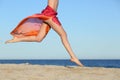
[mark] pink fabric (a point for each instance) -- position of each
(32, 24)
(48, 11)
(29, 27)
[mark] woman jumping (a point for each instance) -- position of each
(34, 28)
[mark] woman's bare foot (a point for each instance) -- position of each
(9, 41)
(75, 60)
(12, 40)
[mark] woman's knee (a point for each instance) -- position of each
(63, 34)
(39, 39)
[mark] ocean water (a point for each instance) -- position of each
(65, 62)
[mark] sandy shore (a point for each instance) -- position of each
(45, 72)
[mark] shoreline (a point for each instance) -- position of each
(65, 62)
(52, 72)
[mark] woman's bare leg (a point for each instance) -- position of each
(61, 32)
(38, 38)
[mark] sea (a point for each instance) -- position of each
(107, 63)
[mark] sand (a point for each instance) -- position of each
(51, 72)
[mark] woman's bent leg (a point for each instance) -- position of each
(38, 38)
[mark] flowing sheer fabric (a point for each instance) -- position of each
(29, 26)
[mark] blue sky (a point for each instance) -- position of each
(93, 28)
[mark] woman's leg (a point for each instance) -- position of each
(64, 39)
(38, 38)
(61, 32)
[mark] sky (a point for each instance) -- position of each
(92, 26)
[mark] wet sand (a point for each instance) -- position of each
(51, 72)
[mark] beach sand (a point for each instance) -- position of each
(51, 72)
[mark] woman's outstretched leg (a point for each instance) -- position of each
(38, 38)
(61, 32)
